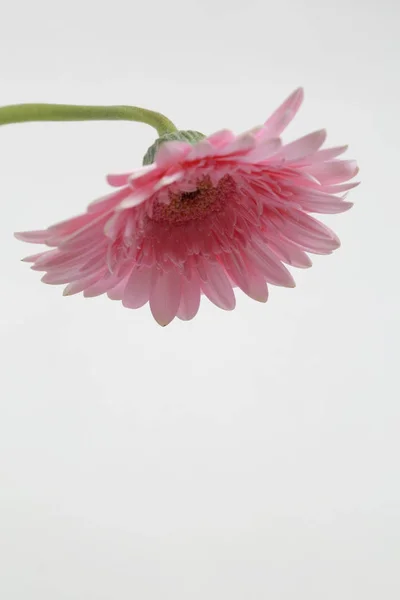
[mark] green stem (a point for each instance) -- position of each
(22, 113)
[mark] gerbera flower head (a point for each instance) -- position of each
(203, 216)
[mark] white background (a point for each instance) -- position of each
(245, 455)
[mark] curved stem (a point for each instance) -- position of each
(22, 113)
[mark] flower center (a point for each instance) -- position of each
(195, 206)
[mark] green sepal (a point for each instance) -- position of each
(192, 137)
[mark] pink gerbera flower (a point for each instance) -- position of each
(206, 216)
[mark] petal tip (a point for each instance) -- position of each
(296, 99)
(30, 259)
(162, 323)
(32, 237)
(261, 299)
(299, 92)
(21, 236)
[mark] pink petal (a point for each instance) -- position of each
(48, 258)
(236, 269)
(171, 152)
(281, 118)
(309, 244)
(117, 292)
(221, 138)
(34, 257)
(118, 180)
(115, 224)
(289, 253)
(239, 147)
(127, 178)
(137, 288)
(145, 176)
(101, 286)
(84, 236)
(304, 146)
(57, 259)
(85, 267)
(316, 200)
(264, 150)
(338, 189)
(69, 226)
(84, 244)
(33, 237)
(167, 180)
(44, 258)
(326, 206)
(335, 171)
(217, 287)
(190, 299)
(313, 227)
(328, 154)
(308, 233)
(265, 261)
(165, 295)
(136, 198)
(109, 202)
(78, 286)
(201, 150)
(57, 278)
(257, 288)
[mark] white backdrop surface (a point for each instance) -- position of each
(244, 455)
